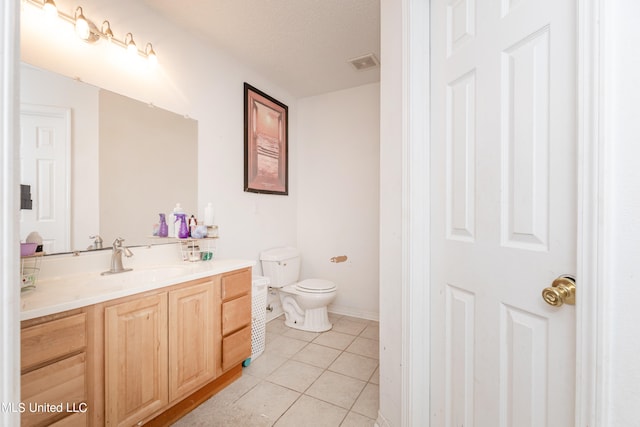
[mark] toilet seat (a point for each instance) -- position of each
(316, 286)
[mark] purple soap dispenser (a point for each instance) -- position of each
(164, 228)
(183, 233)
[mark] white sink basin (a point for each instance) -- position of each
(143, 275)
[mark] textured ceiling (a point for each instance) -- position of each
(302, 45)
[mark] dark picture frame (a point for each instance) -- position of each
(266, 143)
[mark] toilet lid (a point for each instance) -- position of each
(316, 285)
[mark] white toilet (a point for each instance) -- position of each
(304, 303)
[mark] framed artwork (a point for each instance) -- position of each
(265, 143)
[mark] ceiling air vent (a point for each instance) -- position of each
(364, 62)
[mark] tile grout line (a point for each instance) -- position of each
(303, 393)
(281, 331)
(342, 351)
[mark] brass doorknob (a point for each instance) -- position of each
(562, 291)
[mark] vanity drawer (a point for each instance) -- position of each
(60, 385)
(236, 348)
(52, 340)
(235, 284)
(236, 314)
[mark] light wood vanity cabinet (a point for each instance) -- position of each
(142, 359)
(167, 345)
(54, 369)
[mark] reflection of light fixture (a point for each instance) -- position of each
(87, 30)
(50, 8)
(131, 45)
(82, 26)
(151, 55)
(106, 30)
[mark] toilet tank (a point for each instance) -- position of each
(281, 266)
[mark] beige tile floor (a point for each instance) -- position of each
(303, 379)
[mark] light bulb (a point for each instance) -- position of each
(82, 26)
(131, 48)
(151, 55)
(131, 45)
(50, 8)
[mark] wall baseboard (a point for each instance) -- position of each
(354, 312)
(382, 421)
(277, 312)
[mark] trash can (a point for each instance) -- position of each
(260, 285)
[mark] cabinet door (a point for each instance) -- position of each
(135, 359)
(192, 352)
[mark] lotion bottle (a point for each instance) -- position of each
(193, 222)
(208, 214)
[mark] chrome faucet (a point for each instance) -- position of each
(97, 242)
(116, 257)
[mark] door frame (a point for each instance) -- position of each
(591, 337)
(9, 197)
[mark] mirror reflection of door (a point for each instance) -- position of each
(44, 158)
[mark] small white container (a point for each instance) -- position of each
(208, 214)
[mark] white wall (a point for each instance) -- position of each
(338, 203)
(622, 127)
(192, 79)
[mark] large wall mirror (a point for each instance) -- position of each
(100, 163)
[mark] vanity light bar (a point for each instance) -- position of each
(87, 30)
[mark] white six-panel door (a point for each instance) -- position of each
(45, 136)
(503, 214)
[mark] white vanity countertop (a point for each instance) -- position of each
(58, 294)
